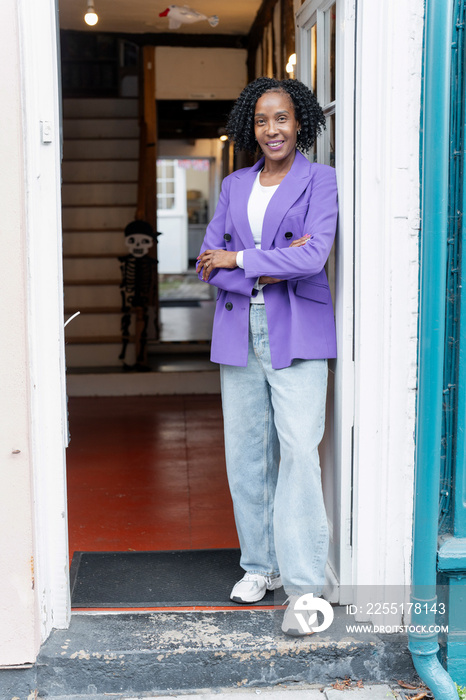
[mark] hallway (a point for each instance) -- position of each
(147, 473)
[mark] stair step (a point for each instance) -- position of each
(92, 355)
(100, 194)
(121, 170)
(100, 107)
(81, 269)
(95, 310)
(94, 242)
(95, 149)
(98, 218)
(78, 296)
(90, 256)
(93, 283)
(97, 325)
(101, 127)
(96, 340)
(149, 652)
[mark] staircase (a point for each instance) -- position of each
(99, 195)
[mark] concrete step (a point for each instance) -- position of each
(116, 193)
(110, 242)
(156, 652)
(97, 149)
(100, 107)
(100, 170)
(104, 127)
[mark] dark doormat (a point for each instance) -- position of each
(202, 577)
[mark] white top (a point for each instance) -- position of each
(257, 205)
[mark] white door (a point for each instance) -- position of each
(325, 62)
(172, 217)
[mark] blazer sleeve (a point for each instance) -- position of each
(230, 280)
(320, 223)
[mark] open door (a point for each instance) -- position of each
(325, 43)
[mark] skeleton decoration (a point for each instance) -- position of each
(138, 288)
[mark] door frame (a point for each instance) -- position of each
(343, 368)
(40, 97)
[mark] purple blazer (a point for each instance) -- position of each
(299, 309)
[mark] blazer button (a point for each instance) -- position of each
(227, 236)
(288, 234)
(228, 306)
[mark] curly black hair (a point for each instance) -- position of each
(308, 112)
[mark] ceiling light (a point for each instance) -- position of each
(223, 137)
(91, 18)
(291, 63)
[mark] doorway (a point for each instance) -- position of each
(186, 195)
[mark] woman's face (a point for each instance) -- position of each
(275, 126)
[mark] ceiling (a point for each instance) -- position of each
(142, 16)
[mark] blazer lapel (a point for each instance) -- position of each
(241, 187)
(292, 186)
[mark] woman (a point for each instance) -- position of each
(265, 250)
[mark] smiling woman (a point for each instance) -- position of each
(265, 250)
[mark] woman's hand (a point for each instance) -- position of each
(300, 241)
(211, 259)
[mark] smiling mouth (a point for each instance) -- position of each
(274, 145)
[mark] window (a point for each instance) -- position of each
(166, 184)
(317, 69)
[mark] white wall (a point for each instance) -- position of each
(18, 616)
(199, 74)
(34, 593)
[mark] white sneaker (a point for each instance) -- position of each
(253, 587)
(291, 625)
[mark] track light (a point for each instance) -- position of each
(91, 18)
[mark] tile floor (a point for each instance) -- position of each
(148, 473)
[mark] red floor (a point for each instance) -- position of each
(148, 473)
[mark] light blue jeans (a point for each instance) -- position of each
(274, 422)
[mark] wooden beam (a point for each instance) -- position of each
(263, 18)
(216, 41)
(288, 29)
(147, 180)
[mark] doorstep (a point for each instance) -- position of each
(155, 653)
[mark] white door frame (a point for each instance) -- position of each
(37, 20)
(344, 284)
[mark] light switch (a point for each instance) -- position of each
(46, 132)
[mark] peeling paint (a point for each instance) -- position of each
(81, 655)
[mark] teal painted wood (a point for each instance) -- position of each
(452, 505)
(459, 467)
(435, 151)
